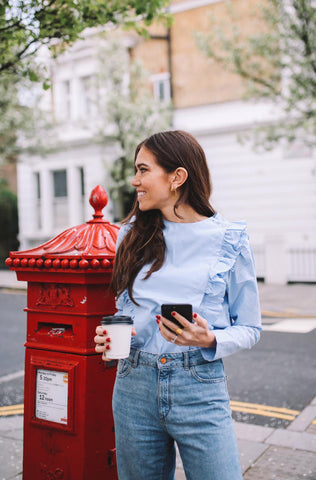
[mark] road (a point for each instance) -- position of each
(278, 372)
(12, 338)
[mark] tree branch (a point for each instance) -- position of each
(18, 56)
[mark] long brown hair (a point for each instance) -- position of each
(144, 243)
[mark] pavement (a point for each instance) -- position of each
(266, 453)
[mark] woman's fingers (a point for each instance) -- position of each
(186, 323)
(102, 342)
(166, 333)
(192, 334)
(172, 325)
(200, 320)
(100, 339)
(100, 330)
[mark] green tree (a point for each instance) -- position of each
(18, 117)
(127, 104)
(277, 63)
(25, 25)
(8, 222)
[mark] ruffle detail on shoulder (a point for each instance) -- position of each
(235, 238)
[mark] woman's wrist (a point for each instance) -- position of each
(210, 340)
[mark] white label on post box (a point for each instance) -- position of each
(52, 395)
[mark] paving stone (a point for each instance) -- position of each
(179, 475)
(10, 458)
(280, 463)
(304, 419)
(250, 452)
(256, 433)
(13, 434)
(297, 440)
(311, 429)
(12, 422)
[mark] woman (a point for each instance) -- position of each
(173, 248)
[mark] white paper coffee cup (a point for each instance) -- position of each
(119, 328)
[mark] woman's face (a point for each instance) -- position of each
(153, 183)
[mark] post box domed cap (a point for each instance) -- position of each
(90, 245)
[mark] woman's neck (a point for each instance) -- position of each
(186, 214)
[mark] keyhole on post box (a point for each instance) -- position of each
(112, 457)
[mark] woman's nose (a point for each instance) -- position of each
(135, 181)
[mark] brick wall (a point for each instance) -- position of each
(8, 172)
(196, 80)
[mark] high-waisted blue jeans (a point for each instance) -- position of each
(162, 399)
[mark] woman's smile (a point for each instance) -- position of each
(140, 194)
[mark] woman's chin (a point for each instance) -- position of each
(142, 207)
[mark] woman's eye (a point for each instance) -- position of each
(140, 170)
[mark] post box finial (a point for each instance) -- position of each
(98, 200)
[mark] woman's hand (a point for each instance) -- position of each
(103, 341)
(195, 334)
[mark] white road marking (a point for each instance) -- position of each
(292, 325)
(12, 376)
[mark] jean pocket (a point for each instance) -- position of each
(123, 369)
(206, 373)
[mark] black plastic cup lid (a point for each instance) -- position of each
(116, 319)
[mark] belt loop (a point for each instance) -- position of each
(186, 360)
(135, 358)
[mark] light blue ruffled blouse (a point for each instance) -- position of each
(210, 265)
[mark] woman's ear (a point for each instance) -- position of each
(179, 177)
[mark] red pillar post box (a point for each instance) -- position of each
(68, 424)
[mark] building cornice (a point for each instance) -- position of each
(226, 117)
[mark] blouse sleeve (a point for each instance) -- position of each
(243, 306)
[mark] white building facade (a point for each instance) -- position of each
(274, 192)
(54, 188)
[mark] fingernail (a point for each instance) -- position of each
(108, 339)
(157, 321)
(158, 317)
(173, 313)
(108, 347)
(105, 332)
(194, 315)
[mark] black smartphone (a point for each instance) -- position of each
(182, 308)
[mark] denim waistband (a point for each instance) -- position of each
(182, 359)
